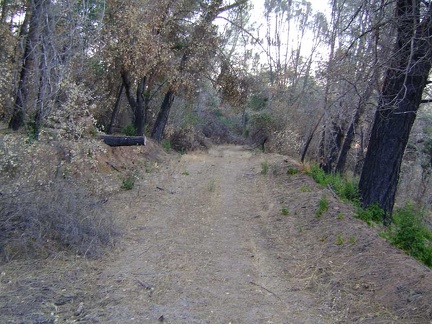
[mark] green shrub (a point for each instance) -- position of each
(372, 214)
(166, 144)
(410, 234)
(346, 189)
(323, 206)
(130, 130)
(292, 171)
(128, 182)
(285, 211)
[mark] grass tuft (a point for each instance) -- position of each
(264, 167)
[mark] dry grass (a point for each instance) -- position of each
(60, 217)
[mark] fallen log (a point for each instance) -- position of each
(113, 140)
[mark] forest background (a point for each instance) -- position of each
(347, 88)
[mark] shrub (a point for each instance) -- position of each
(346, 189)
(130, 130)
(166, 144)
(292, 171)
(323, 206)
(284, 211)
(128, 182)
(54, 218)
(372, 214)
(410, 234)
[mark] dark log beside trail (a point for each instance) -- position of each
(123, 140)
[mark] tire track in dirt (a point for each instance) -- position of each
(198, 251)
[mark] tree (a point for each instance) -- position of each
(400, 98)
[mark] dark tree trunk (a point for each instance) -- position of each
(28, 64)
(331, 144)
(399, 101)
(115, 110)
(346, 145)
(139, 111)
(138, 105)
(162, 118)
(309, 139)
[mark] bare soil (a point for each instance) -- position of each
(205, 241)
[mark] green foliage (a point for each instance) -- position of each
(339, 240)
(166, 144)
(264, 167)
(346, 189)
(211, 185)
(257, 102)
(372, 214)
(292, 171)
(284, 211)
(128, 182)
(323, 206)
(305, 188)
(410, 234)
(130, 130)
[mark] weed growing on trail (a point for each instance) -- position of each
(264, 167)
(284, 211)
(323, 206)
(352, 240)
(185, 173)
(305, 188)
(128, 182)
(339, 240)
(292, 171)
(211, 185)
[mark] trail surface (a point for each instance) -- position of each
(211, 238)
(197, 253)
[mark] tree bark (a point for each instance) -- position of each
(28, 65)
(162, 118)
(116, 109)
(399, 101)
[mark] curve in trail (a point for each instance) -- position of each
(198, 250)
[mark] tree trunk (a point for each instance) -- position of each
(116, 109)
(309, 139)
(139, 111)
(28, 65)
(162, 118)
(399, 101)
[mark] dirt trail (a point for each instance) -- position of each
(196, 254)
(205, 241)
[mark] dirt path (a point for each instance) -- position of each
(197, 254)
(205, 242)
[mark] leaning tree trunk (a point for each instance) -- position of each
(162, 118)
(399, 101)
